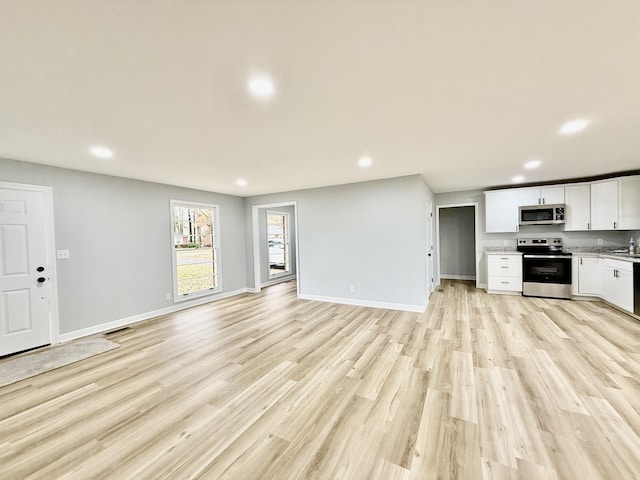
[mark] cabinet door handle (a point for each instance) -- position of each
(505, 283)
(615, 225)
(588, 225)
(543, 202)
(580, 261)
(504, 258)
(504, 267)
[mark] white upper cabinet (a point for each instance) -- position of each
(528, 196)
(630, 203)
(552, 195)
(540, 196)
(604, 205)
(578, 207)
(501, 211)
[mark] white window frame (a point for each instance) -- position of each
(287, 242)
(216, 250)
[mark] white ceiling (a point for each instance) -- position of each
(462, 92)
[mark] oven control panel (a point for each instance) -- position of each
(540, 242)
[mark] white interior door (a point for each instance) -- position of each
(430, 272)
(25, 271)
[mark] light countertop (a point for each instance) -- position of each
(500, 251)
(604, 254)
(576, 251)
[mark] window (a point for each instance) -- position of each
(196, 251)
(278, 244)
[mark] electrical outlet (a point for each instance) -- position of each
(167, 296)
(600, 241)
(352, 289)
(62, 254)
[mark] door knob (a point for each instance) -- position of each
(41, 279)
(40, 269)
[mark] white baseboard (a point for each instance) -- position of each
(458, 277)
(367, 303)
(482, 285)
(123, 322)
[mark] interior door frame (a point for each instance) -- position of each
(50, 238)
(277, 276)
(257, 283)
(431, 273)
(476, 211)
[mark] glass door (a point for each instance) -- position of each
(546, 269)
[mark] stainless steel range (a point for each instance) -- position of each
(546, 268)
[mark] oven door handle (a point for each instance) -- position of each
(568, 257)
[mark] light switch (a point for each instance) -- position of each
(62, 254)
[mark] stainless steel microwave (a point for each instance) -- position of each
(541, 214)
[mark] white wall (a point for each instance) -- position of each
(118, 234)
(370, 235)
(457, 242)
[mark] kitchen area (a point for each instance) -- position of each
(569, 241)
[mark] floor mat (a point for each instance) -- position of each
(41, 361)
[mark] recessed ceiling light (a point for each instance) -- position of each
(532, 164)
(518, 179)
(261, 87)
(101, 152)
(365, 162)
(241, 182)
(574, 126)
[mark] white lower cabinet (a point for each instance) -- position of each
(587, 275)
(504, 272)
(617, 283)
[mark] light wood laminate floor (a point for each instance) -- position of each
(271, 387)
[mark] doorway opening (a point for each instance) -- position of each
(279, 244)
(275, 244)
(457, 237)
